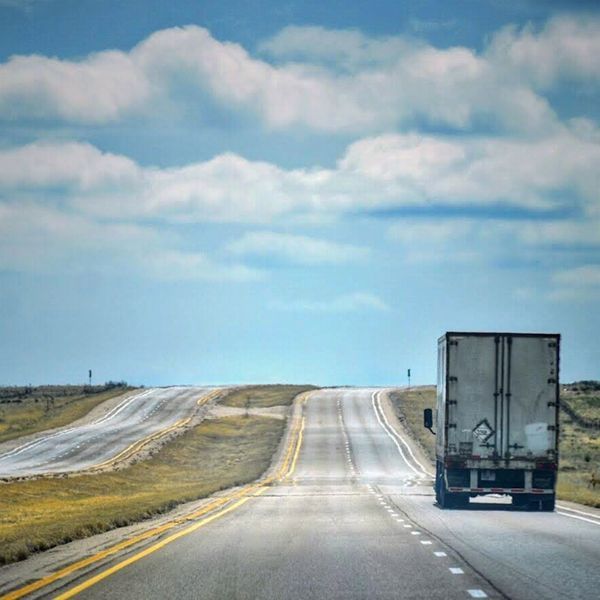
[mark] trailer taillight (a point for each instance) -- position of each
(545, 466)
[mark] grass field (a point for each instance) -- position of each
(579, 446)
(264, 396)
(215, 455)
(29, 410)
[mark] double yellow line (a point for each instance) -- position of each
(141, 444)
(215, 509)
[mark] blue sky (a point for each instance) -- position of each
(209, 192)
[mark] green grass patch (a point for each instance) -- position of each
(24, 411)
(215, 455)
(579, 446)
(264, 396)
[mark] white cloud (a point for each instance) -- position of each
(349, 49)
(547, 172)
(470, 240)
(66, 164)
(586, 276)
(296, 249)
(566, 48)
(580, 283)
(101, 88)
(558, 171)
(354, 302)
(330, 80)
(440, 241)
(565, 232)
(39, 238)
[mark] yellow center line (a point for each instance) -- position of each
(296, 454)
(139, 444)
(240, 497)
(150, 550)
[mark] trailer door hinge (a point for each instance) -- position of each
(551, 380)
(551, 344)
(452, 378)
(551, 428)
(451, 425)
(451, 402)
(551, 403)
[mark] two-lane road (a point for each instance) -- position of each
(74, 448)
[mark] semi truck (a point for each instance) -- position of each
(496, 421)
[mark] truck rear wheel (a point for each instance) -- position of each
(521, 501)
(444, 498)
(448, 499)
(543, 503)
(548, 503)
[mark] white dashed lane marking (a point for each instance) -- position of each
(456, 571)
(477, 594)
(440, 554)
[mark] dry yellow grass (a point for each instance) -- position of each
(31, 416)
(579, 446)
(217, 454)
(409, 406)
(264, 396)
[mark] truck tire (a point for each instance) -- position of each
(548, 503)
(543, 503)
(521, 501)
(451, 499)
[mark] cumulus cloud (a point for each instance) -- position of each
(354, 302)
(558, 171)
(68, 164)
(322, 79)
(536, 173)
(101, 88)
(296, 249)
(565, 48)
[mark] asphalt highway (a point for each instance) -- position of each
(137, 416)
(355, 518)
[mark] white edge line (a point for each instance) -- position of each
(393, 430)
(564, 514)
(38, 441)
(373, 396)
(579, 512)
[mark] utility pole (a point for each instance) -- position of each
(90, 377)
(409, 379)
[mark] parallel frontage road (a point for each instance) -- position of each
(137, 417)
(354, 516)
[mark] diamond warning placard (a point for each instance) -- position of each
(483, 431)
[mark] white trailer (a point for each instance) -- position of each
(497, 417)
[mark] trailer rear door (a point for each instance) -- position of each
(502, 392)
